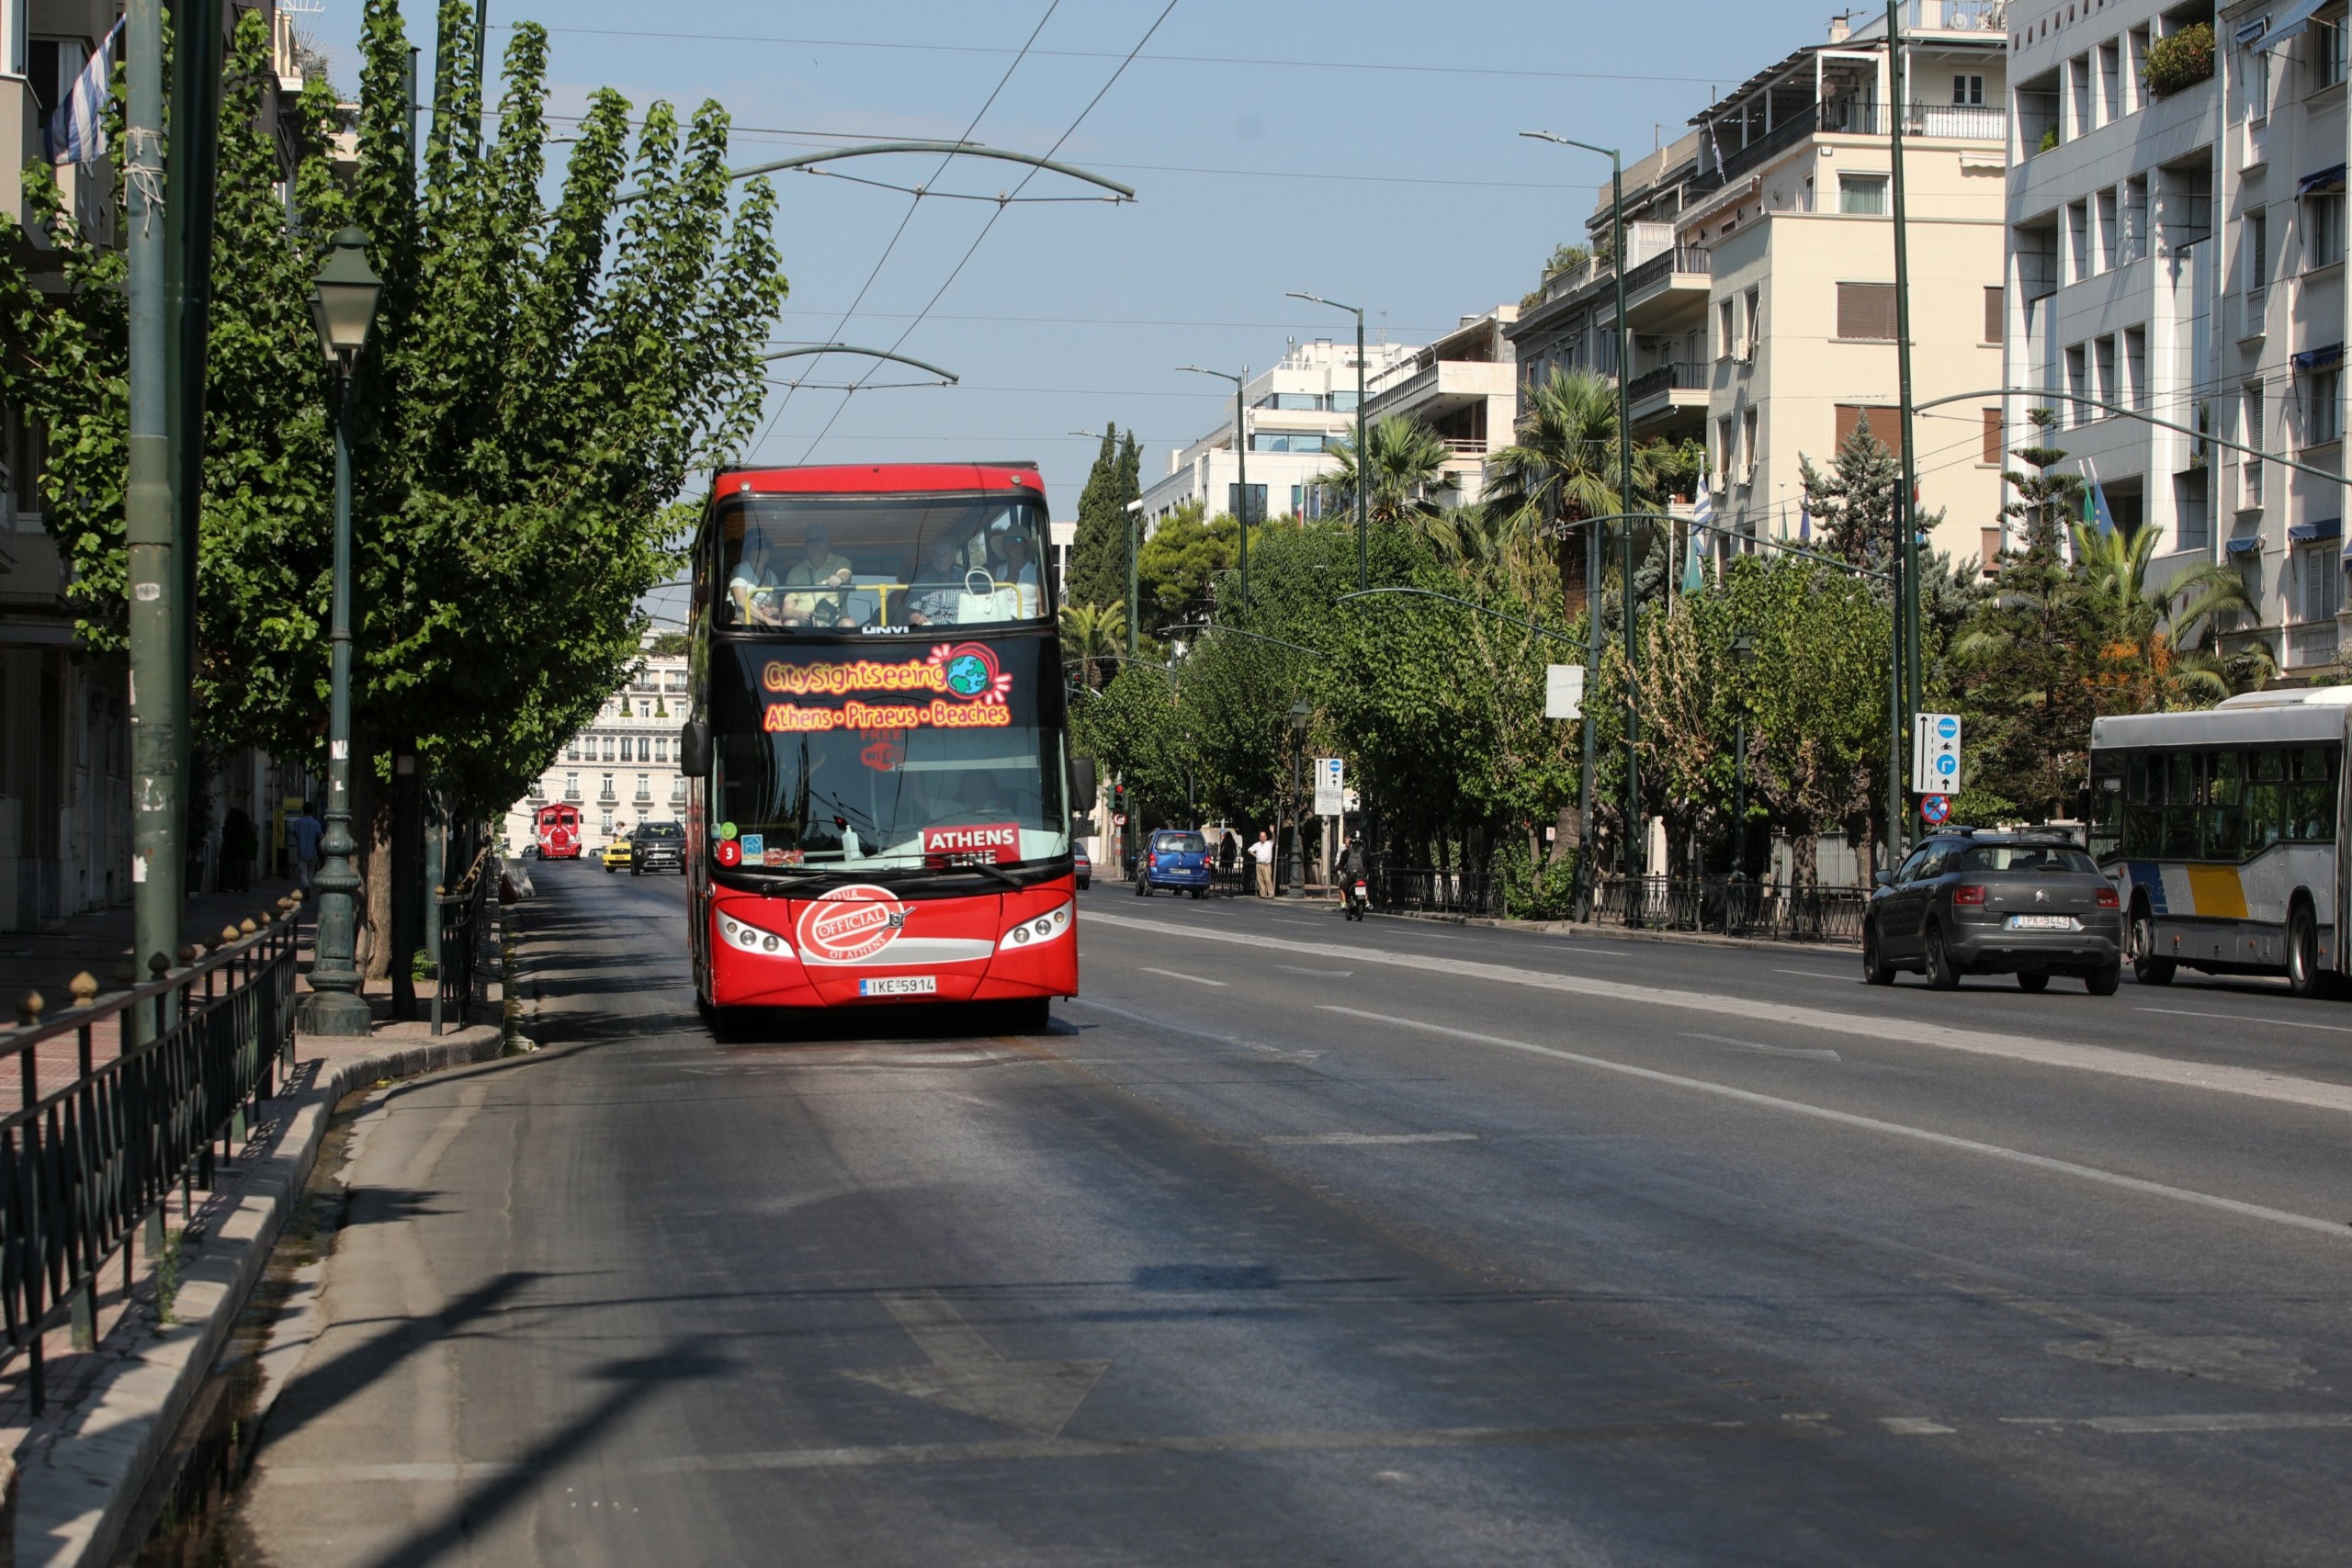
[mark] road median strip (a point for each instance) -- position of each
(2106, 1060)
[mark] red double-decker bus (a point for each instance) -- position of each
(556, 828)
(880, 787)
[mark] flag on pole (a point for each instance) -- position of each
(2095, 508)
(1693, 575)
(77, 131)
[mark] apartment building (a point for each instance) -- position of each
(2277, 379)
(622, 769)
(1466, 388)
(1792, 209)
(1294, 413)
(2112, 264)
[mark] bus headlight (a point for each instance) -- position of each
(744, 937)
(1053, 924)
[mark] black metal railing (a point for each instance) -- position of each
(1682, 374)
(92, 1155)
(1776, 911)
(1435, 890)
(463, 940)
(1666, 263)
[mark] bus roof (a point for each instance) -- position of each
(878, 479)
(2295, 715)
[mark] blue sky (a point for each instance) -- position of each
(1367, 152)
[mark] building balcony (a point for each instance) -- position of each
(1668, 396)
(1853, 117)
(571, 794)
(1668, 292)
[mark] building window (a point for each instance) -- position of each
(1990, 543)
(1995, 445)
(1257, 501)
(2135, 367)
(2131, 241)
(2078, 240)
(2134, 82)
(571, 785)
(1724, 452)
(608, 747)
(2108, 209)
(1755, 322)
(2326, 47)
(2103, 362)
(2078, 385)
(2078, 79)
(2110, 82)
(608, 820)
(2323, 395)
(1866, 312)
(2255, 234)
(1968, 91)
(1885, 419)
(1727, 329)
(2320, 581)
(1747, 445)
(571, 752)
(1863, 193)
(662, 748)
(628, 749)
(2249, 465)
(645, 786)
(1994, 314)
(607, 792)
(2322, 229)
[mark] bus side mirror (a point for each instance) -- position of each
(693, 747)
(1081, 785)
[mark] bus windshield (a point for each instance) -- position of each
(888, 763)
(832, 562)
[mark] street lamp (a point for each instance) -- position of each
(1364, 527)
(1299, 715)
(1241, 461)
(343, 308)
(1633, 844)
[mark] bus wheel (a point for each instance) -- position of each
(1032, 1015)
(2146, 967)
(2304, 976)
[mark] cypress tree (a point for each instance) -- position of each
(1098, 558)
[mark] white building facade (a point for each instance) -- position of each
(1464, 387)
(622, 769)
(1295, 413)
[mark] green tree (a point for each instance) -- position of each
(1404, 461)
(1179, 566)
(1098, 555)
(1093, 635)
(1563, 467)
(1854, 502)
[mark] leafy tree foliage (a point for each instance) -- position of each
(1178, 568)
(1098, 555)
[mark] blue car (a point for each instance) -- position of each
(1178, 860)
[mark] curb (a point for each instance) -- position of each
(78, 1484)
(1590, 932)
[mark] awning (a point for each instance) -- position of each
(2249, 545)
(2319, 528)
(2320, 358)
(2326, 179)
(2286, 21)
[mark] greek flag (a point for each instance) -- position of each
(1702, 514)
(77, 131)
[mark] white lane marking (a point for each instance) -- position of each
(1151, 1022)
(1286, 920)
(1914, 1427)
(2245, 1421)
(1180, 975)
(1814, 973)
(2244, 1018)
(1319, 974)
(1873, 1125)
(1356, 1140)
(1768, 1050)
(2105, 1059)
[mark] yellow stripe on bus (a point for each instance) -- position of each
(2217, 890)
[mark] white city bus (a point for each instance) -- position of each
(2225, 831)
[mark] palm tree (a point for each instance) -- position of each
(2142, 632)
(1564, 465)
(1406, 462)
(1091, 635)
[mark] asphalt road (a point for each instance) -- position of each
(1300, 1242)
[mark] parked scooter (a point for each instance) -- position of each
(1356, 897)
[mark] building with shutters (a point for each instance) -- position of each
(2278, 304)
(622, 768)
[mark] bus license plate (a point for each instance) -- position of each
(2043, 923)
(899, 986)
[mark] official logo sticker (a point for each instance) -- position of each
(850, 924)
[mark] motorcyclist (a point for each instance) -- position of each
(1354, 865)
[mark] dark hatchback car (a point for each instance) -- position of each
(661, 846)
(1178, 860)
(1083, 865)
(1977, 903)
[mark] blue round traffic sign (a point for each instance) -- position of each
(1947, 727)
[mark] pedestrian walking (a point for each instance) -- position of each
(305, 830)
(1262, 851)
(239, 843)
(1225, 851)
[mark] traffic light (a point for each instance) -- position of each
(1118, 797)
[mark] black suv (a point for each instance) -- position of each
(1967, 902)
(661, 846)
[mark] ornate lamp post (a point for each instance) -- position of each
(1364, 458)
(1299, 715)
(343, 310)
(1742, 654)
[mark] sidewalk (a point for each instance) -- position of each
(98, 943)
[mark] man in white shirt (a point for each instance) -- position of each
(1262, 851)
(753, 584)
